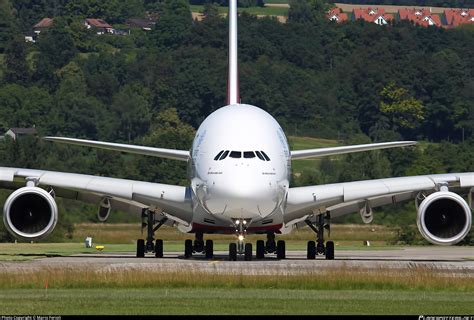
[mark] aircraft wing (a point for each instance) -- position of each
(348, 197)
(147, 151)
(322, 152)
(123, 194)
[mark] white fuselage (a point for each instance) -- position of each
(240, 165)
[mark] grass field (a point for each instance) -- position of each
(265, 11)
(342, 291)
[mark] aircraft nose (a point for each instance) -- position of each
(239, 199)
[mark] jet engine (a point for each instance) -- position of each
(30, 213)
(444, 218)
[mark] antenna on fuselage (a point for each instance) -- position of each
(233, 80)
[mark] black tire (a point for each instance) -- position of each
(329, 250)
(232, 252)
(159, 248)
(209, 249)
(248, 252)
(140, 248)
(311, 253)
(188, 248)
(260, 249)
(281, 249)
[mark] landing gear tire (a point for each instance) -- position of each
(248, 252)
(232, 252)
(281, 249)
(329, 250)
(159, 248)
(260, 249)
(311, 253)
(140, 248)
(188, 248)
(209, 249)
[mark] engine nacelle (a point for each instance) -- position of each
(104, 210)
(444, 218)
(30, 213)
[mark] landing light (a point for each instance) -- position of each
(241, 238)
(245, 222)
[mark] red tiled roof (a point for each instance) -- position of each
(44, 23)
(337, 15)
(371, 14)
(456, 17)
(99, 23)
(422, 17)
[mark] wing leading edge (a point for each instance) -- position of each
(142, 150)
(321, 152)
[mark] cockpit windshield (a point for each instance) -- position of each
(238, 154)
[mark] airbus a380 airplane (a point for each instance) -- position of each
(240, 166)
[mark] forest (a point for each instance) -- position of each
(353, 83)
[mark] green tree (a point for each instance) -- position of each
(7, 23)
(174, 26)
(16, 66)
(132, 108)
(404, 111)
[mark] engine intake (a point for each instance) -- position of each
(444, 218)
(30, 213)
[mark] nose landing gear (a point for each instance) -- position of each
(240, 247)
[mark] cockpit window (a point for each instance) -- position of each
(236, 154)
(259, 155)
(249, 154)
(265, 156)
(218, 155)
(224, 155)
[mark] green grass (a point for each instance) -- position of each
(266, 11)
(232, 301)
(299, 143)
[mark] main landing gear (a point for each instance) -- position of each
(152, 224)
(315, 248)
(199, 246)
(271, 247)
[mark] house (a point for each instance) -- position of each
(373, 15)
(98, 25)
(43, 25)
(337, 15)
(452, 18)
(422, 17)
(14, 133)
(144, 24)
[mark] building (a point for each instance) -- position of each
(43, 25)
(452, 18)
(373, 15)
(99, 26)
(422, 17)
(14, 133)
(144, 24)
(337, 15)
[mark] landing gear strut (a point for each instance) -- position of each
(152, 224)
(199, 246)
(318, 247)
